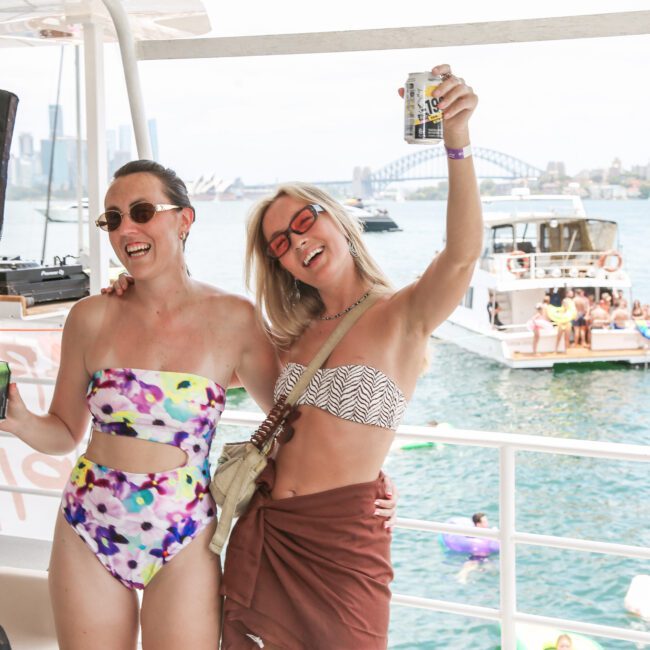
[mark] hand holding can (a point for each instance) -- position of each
(437, 107)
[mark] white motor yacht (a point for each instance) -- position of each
(538, 245)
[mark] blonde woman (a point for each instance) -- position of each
(308, 565)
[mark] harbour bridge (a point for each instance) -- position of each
(424, 164)
(431, 164)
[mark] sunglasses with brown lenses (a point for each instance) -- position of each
(139, 213)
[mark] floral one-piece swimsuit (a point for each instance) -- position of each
(136, 523)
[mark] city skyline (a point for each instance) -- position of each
(119, 142)
(315, 117)
(29, 167)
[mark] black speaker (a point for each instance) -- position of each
(4, 641)
(8, 106)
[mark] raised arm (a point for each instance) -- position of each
(439, 290)
(62, 428)
(258, 365)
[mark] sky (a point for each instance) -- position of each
(316, 117)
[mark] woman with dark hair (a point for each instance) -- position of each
(137, 499)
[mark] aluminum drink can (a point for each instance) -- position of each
(422, 117)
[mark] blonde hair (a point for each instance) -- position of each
(275, 288)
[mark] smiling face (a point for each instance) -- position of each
(146, 248)
(314, 257)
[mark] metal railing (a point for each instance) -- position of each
(537, 266)
(508, 445)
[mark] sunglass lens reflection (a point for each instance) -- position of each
(112, 220)
(303, 222)
(279, 245)
(142, 212)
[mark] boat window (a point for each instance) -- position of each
(526, 237)
(572, 236)
(565, 237)
(503, 239)
(602, 234)
(469, 298)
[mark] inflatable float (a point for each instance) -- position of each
(637, 599)
(538, 322)
(643, 326)
(561, 315)
(416, 444)
(475, 546)
(542, 637)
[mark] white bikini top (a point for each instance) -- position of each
(354, 392)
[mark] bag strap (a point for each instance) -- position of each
(321, 356)
(266, 433)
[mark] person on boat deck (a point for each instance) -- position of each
(316, 574)
(607, 297)
(591, 298)
(564, 642)
(620, 316)
(493, 312)
(555, 297)
(136, 512)
(580, 321)
(564, 327)
(600, 316)
(538, 323)
(637, 310)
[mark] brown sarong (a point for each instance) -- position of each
(309, 572)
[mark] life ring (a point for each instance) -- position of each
(605, 256)
(522, 261)
(475, 546)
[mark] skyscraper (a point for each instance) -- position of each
(125, 140)
(26, 143)
(58, 116)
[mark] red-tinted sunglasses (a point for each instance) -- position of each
(300, 223)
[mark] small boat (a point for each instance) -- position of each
(372, 217)
(66, 214)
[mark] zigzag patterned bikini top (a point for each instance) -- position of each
(354, 392)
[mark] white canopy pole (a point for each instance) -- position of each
(80, 209)
(97, 171)
(131, 76)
